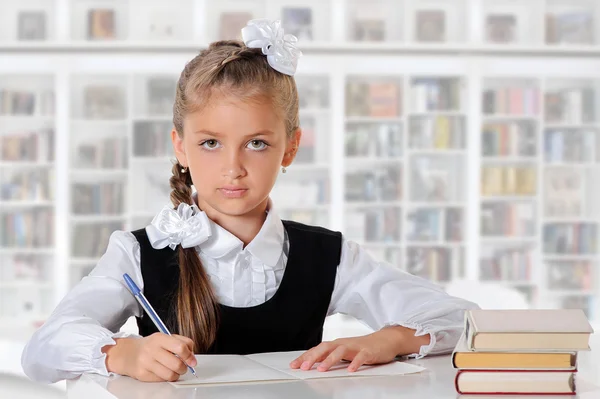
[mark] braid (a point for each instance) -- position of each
(197, 315)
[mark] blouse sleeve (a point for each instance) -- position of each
(381, 295)
(88, 318)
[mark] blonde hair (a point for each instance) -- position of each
(225, 67)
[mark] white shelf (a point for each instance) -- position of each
(373, 119)
(372, 204)
(33, 251)
(26, 204)
(510, 159)
(98, 172)
(26, 164)
(97, 218)
(571, 257)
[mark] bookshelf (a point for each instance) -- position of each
(571, 214)
(27, 194)
(303, 193)
(510, 163)
(98, 166)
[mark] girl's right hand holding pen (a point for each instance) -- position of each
(151, 358)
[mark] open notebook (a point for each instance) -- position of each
(225, 369)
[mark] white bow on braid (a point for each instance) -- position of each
(187, 226)
(279, 48)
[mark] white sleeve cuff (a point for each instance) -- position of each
(419, 331)
(98, 360)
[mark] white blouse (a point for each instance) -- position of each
(375, 292)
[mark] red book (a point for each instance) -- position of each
(515, 382)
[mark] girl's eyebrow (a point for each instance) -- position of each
(265, 132)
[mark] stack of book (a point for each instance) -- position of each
(520, 351)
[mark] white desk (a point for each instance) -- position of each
(436, 382)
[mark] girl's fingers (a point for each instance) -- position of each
(360, 359)
(316, 354)
(334, 357)
(171, 362)
(179, 347)
(163, 372)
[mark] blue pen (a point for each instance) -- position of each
(150, 311)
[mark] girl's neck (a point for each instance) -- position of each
(245, 227)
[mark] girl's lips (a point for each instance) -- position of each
(233, 192)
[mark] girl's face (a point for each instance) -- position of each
(234, 151)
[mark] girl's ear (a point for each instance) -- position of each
(179, 149)
(291, 148)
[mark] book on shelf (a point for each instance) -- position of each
(506, 264)
(161, 95)
(104, 102)
(35, 184)
(298, 21)
(430, 26)
(424, 225)
(576, 27)
(511, 101)
(504, 219)
(570, 275)
(301, 192)
(433, 263)
(437, 132)
(373, 99)
(101, 24)
(379, 225)
(22, 102)
(570, 145)
(368, 29)
(231, 24)
(564, 193)
(435, 224)
(25, 267)
(585, 302)
(90, 240)
(31, 25)
(500, 28)
(373, 140)
(570, 106)
(28, 146)
(515, 139)
(436, 94)
(24, 303)
(379, 184)
(27, 229)
(152, 139)
(307, 151)
(571, 238)
(98, 198)
(508, 180)
(431, 182)
(454, 225)
(107, 153)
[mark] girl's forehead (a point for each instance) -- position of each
(232, 115)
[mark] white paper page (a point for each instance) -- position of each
(218, 369)
(281, 361)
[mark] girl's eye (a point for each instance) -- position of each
(257, 145)
(210, 144)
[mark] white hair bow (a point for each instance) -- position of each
(279, 48)
(187, 226)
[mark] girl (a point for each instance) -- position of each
(219, 266)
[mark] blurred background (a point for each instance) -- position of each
(458, 140)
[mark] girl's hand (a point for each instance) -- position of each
(380, 347)
(151, 358)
